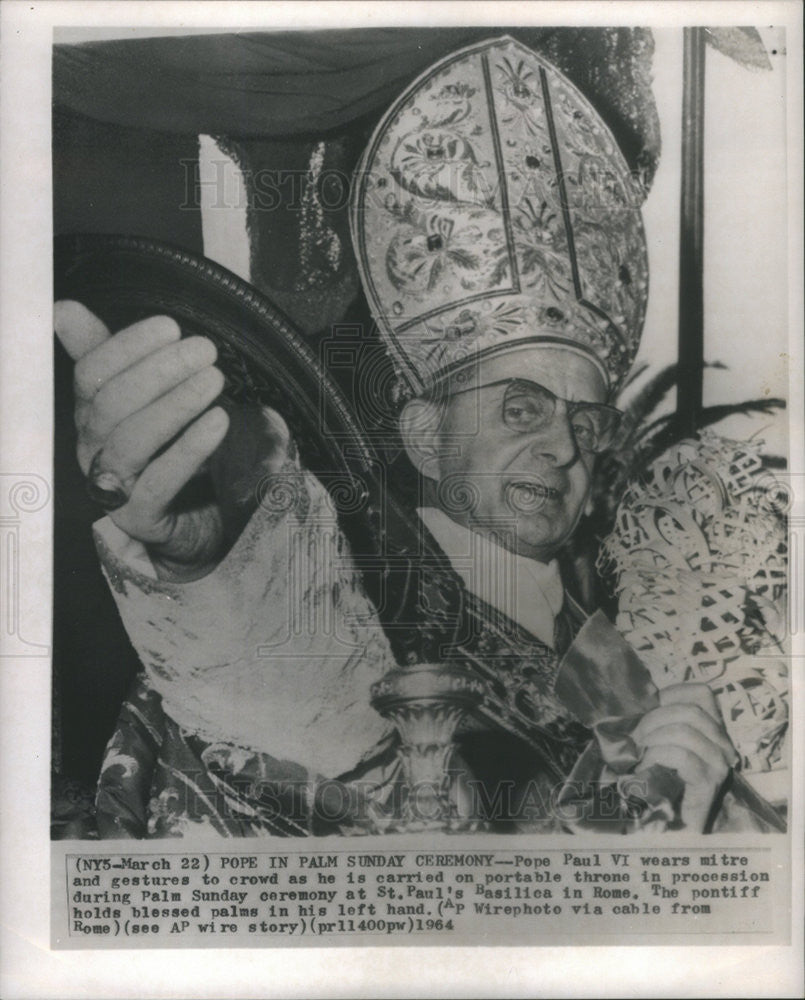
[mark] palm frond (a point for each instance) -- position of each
(642, 440)
(744, 45)
(635, 374)
(671, 429)
(655, 390)
(645, 402)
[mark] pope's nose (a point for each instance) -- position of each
(556, 441)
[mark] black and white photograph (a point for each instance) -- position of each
(423, 489)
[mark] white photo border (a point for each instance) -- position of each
(28, 968)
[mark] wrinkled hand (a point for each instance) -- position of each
(143, 400)
(685, 733)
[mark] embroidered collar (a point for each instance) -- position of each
(528, 591)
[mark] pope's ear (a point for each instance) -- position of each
(419, 428)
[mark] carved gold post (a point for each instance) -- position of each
(426, 703)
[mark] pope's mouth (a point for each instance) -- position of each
(527, 495)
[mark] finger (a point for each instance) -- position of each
(144, 382)
(700, 785)
(688, 765)
(167, 474)
(691, 740)
(690, 715)
(79, 330)
(691, 694)
(135, 441)
(118, 353)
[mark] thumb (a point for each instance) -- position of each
(78, 329)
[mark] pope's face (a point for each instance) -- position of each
(517, 462)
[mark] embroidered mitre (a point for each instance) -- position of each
(494, 215)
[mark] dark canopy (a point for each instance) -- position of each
(294, 83)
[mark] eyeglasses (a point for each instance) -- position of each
(528, 408)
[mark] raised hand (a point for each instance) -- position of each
(145, 419)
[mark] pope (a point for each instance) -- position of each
(498, 234)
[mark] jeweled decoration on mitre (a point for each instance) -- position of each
(493, 209)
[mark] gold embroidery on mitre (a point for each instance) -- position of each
(493, 208)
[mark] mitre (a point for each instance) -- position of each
(495, 220)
